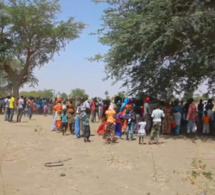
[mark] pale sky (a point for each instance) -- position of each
(71, 69)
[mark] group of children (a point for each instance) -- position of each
(71, 118)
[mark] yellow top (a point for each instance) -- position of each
(11, 103)
(110, 116)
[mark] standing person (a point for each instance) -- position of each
(209, 109)
(85, 118)
(45, 108)
(167, 122)
(177, 116)
(77, 120)
(64, 105)
(191, 117)
(20, 109)
(157, 116)
(84, 105)
(11, 108)
(102, 127)
(100, 109)
(142, 131)
(59, 109)
(130, 117)
(200, 110)
(70, 110)
(64, 118)
(206, 120)
(30, 107)
(6, 111)
(96, 110)
(109, 134)
(118, 126)
(147, 115)
(92, 110)
(1, 105)
(54, 116)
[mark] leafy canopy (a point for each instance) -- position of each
(77, 94)
(31, 34)
(160, 47)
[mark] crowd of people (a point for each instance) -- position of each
(24, 106)
(118, 117)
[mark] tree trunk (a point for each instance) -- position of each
(15, 87)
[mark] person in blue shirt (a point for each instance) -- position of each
(85, 117)
(130, 117)
(64, 119)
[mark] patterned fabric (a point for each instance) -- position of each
(167, 122)
(191, 115)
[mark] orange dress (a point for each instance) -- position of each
(58, 110)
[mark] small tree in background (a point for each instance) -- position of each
(77, 94)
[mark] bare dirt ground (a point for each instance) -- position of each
(178, 166)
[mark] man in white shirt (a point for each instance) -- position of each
(157, 116)
(20, 109)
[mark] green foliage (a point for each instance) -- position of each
(63, 96)
(31, 35)
(208, 175)
(122, 94)
(46, 93)
(160, 47)
(77, 94)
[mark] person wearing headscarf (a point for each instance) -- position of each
(110, 126)
(191, 117)
(58, 111)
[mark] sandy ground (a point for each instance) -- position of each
(175, 167)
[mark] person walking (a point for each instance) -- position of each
(157, 116)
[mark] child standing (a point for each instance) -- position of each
(85, 117)
(130, 117)
(64, 118)
(206, 120)
(142, 131)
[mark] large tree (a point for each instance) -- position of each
(160, 47)
(30, 34)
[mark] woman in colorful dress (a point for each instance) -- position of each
(167, 122)
(71, 121)
(109, 134)
(191, 117)
(177, 116)
(58, 110)
(102, 127)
